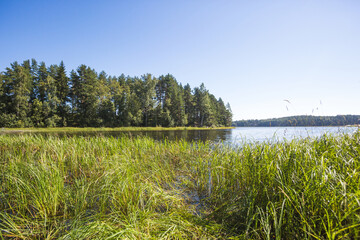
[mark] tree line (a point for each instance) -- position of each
(303, 120)
(35, 95)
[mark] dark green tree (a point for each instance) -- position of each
(62, 93)
(17, 89)
(148, 94)
(40, 86)
(202, 106)
(176, 104)
(189, 105)
(33, 95)
(85, 97)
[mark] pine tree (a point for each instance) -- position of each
(170, 102)
(33, 95)
(122, 101)
(52, 103)
(42, 75)
(202, 106)
(85, 97)
(115, 95)
(2, 94)
(176, 107)
(147, 86)
(189, 105)
(62, 92)
(134, 110)
(18, 88)
(228, 115)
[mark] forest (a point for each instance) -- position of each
(302, 120)
(35, 95)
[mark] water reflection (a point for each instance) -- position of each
(229, 136)
(189, 135)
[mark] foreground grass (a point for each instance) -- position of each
(104, 129)
(137, 188)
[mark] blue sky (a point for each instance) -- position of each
(252, 54)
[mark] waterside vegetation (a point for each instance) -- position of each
(136, 188)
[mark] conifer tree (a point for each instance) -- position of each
(189, 105)
(33, 95)
(228, 115)
(148, 96)
(42, 75)
(51, 105)
(62, 92)
(84, 94)
(18, 84)
(202, 106)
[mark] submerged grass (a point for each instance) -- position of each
(137, 188)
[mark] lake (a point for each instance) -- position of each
(241, 134)
(233, 136)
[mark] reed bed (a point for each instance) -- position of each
(137, 188)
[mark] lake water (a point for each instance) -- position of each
(280, 133)
(233, 136)
(241, 134)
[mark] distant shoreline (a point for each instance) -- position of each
(302, 121)
(299, 126)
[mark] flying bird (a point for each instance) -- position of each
(285, 100)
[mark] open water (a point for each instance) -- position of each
(229, 136)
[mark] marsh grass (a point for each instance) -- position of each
(137, 188)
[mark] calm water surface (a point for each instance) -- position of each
(281, 133)
(253, 134)
(233, 136)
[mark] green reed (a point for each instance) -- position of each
(137, 188)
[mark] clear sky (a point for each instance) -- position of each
(252, 54)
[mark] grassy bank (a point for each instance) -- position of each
(138, 188)
(119, 129)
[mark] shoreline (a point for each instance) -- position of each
(105, 129)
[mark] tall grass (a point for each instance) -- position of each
(138, 188)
